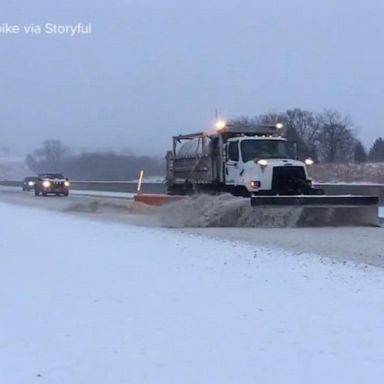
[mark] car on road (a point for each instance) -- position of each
(52, 183)
(29, 183)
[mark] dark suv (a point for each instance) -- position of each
(29, 183)
(54, 183)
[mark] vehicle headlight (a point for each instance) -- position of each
(309, 161)
(66, 183)
(254, 184)
(31, 183)
(46, 184)
(262, 162)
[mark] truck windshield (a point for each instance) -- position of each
(267, 149)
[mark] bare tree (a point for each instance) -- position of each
(335, 137)
(302, 127)
(376, 153)
(47, 158)
(270, 118)
(306, 124)
(360, 154)
(243, 122)
(53, 151)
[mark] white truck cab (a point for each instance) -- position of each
(252, 163)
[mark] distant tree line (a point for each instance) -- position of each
(326, 137)
(54, 156)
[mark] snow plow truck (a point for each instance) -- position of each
(258, 163)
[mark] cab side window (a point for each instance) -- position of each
(233, 151)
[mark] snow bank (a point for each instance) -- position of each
(224, 211)
(93, 302)
(228, 211)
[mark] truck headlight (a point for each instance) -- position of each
(254, 184)
(66, 183)
(262, 162)
(309, 161)
(31, 183)
(46, 184)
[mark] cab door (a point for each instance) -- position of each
(232, 169)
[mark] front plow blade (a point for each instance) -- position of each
(318, 211)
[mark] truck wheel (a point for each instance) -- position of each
(37, 193)
(66, 193)
(44, 193)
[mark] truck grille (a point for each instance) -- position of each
(288, 180)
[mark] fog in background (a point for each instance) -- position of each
(153, 69)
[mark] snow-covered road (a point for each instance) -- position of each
(98, 302)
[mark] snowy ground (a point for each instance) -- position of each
(98, 302)
(357, 244)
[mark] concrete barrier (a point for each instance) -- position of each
(118, 186)
(13, 183)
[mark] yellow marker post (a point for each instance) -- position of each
(140, 181)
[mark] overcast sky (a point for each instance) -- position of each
(151, 69)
